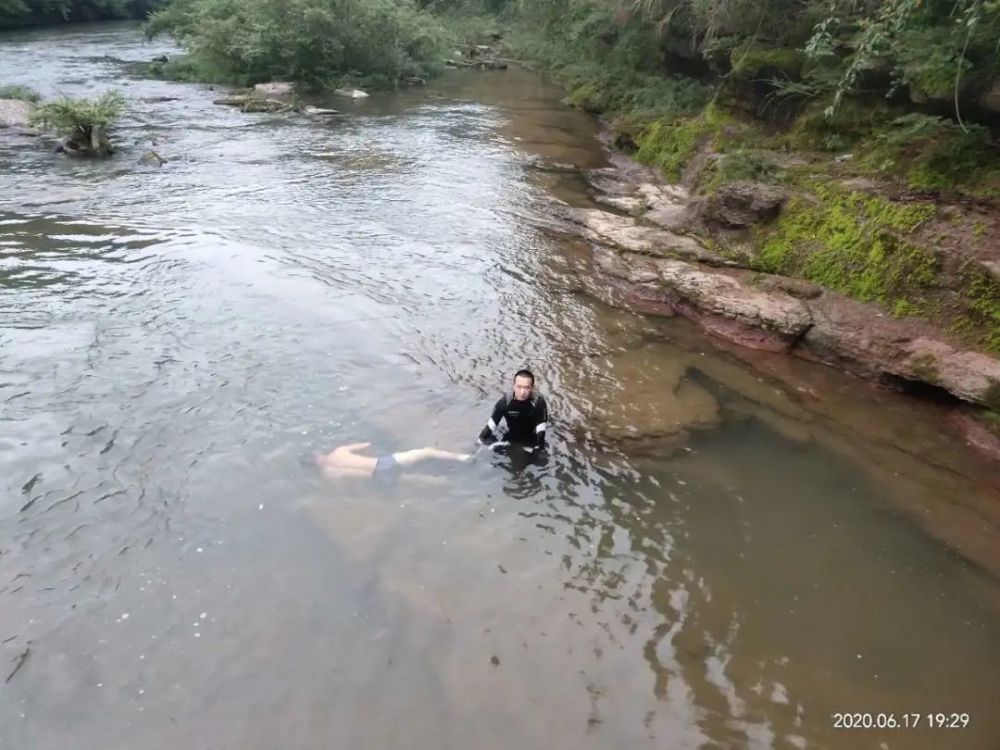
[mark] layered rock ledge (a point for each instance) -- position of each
(643, 258)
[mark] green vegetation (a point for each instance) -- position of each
(741, 165)
(669, 145)
(18, 92)
(836, 101)
(316, 42)
(83, 122)
(826, 76)
(932, 152)
(851, 242)
(857, 244)
(17, 13)
(983, 295)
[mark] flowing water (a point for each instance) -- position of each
(724, 550)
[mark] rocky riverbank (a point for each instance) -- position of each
(652, 251)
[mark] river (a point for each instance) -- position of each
(176, 341)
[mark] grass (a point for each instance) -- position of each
(19, 92)
(83, 122)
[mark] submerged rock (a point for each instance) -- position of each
(659, 401)
(351, 93)
(152, 158)
(253, 103)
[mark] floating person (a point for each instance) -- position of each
(523, 414)
(345, 461)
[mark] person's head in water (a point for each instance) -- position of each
(524, 384)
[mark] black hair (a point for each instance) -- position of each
(525, 374)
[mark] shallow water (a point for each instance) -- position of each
(724, 549)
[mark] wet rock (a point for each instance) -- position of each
(153, 159)
(252, 103)
(351, 93)
(726, 304)
(862, 339)
(740, 205)
(274, 89)
(796, 287)
(623, 232)
(732, 308)
(970, 375)
(624, 203)
(650, 266)
(319, 111)
(543, 165)
(666, 206)
(15, 113)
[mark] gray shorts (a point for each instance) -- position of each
(387, 469)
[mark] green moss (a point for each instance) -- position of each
(592, 96)
(904, 308)
(978, 229)
(848, 241)
(754, 165)
(933, 153)
(853, 121)
(982, 295)
(670, 145)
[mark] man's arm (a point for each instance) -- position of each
(541, 423)
(488, 435)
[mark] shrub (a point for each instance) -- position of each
(83, 122)
(311, 41)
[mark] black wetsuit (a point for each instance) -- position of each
(526, 421)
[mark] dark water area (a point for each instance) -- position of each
(723, 550)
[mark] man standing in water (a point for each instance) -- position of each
(524, 413)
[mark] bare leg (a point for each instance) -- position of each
(344, 462)
(410, 457)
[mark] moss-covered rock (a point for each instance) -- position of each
(982, 293)
(670, 145)
(850, 242)
(934, 153)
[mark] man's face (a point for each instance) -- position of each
(522, 388)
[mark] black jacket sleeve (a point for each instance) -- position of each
(541, 423)
(488, 434)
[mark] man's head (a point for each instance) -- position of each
(524, 384)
